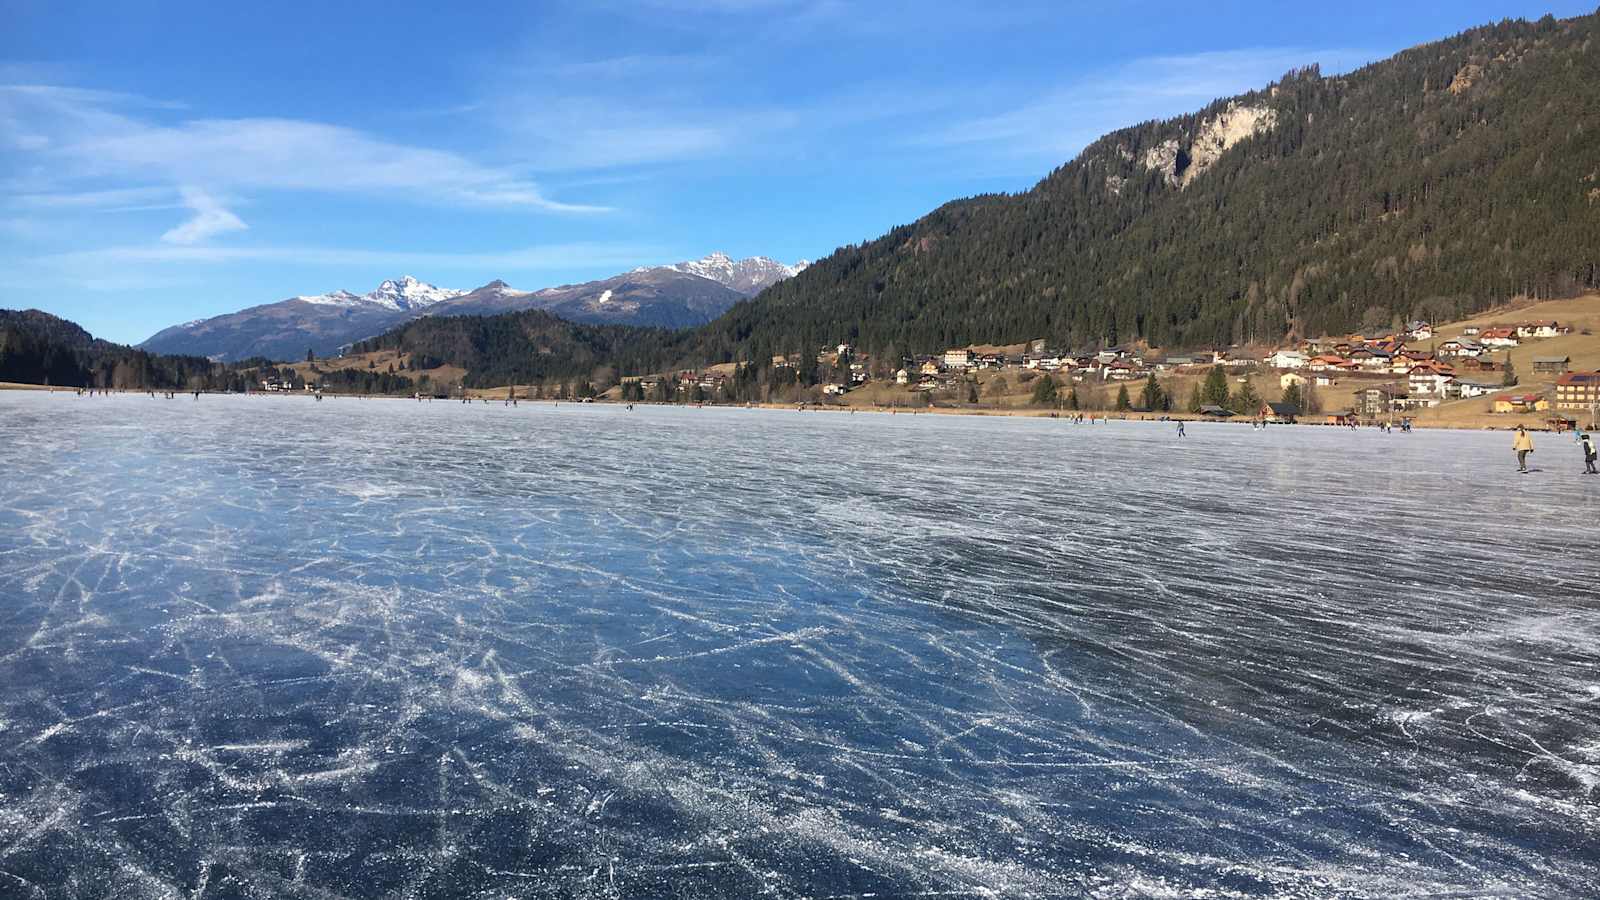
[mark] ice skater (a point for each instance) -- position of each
(1523, 445)
(1587, 443)
(1180, 428)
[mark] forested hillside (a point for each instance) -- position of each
(38, 348)
(525, 347)
(1443, 180)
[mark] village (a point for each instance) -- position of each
(1536, 365)
(1537, 372)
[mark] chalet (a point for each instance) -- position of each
(1278, 413)
(1538, 329)
(1460, 348)
(1476, 364)
(1343, 417)
(1325, 379)
(1520, 403)
(834, 390)
(1466, 390)
(1419, 331)
(1370, 358)
(1553, 365)
(992, 361)
(1328, 362)
(1122, 370)
(928, 367)
(1498, 337)
(901, 376)
(1429, 378)
(1418, 401)
(1380, 400)
(1288, 379)
(958, 359)
(1472, 330)
(1215, 412)
(1578, 390)
(1238, 359)
(1287, 359)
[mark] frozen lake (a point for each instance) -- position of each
(361, 648)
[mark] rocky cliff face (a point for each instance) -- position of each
(1181, 162)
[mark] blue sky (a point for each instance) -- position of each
(165, 162)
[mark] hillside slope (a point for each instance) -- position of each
(39, 348)
(1432, 184)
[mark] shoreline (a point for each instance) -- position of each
(977, 411)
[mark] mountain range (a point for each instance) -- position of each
(1451, 177)
(682, 295)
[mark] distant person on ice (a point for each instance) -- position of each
(1587, 442)
(1523, 444)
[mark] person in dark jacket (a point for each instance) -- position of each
(1587, 443)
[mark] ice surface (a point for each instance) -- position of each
(272, 647)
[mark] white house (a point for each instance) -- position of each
(1428, 380)
(958, 359)
(1419, 331)
(1287, 359)
(1456, 387)
(1538, 329)
(1498, 337)
(901, 376)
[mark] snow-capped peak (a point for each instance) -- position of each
(748, 276)
(404, 293)
(501, 289)
(409, 293)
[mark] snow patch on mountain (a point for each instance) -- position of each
(748, 276)
(404, 294)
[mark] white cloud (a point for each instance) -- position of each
(111, 199)
(210, 219)
(572, 255)
(1065, 119)
(93, 135)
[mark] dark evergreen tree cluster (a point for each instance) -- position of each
(39, 348)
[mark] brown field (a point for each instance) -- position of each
(442, 378)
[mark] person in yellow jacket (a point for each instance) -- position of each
(1523, 444)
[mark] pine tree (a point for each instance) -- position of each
(1215, 390)
(1122, 399)
(1152, 398)
(1246, 401)
(1044, 392)
(1291, 396)
(1510, 378)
